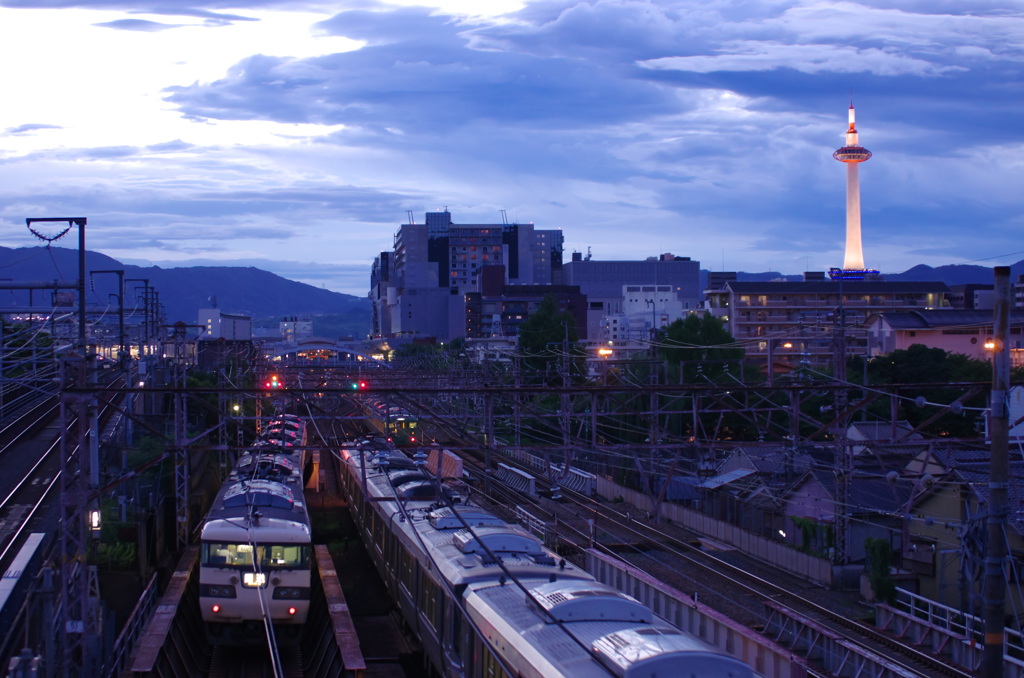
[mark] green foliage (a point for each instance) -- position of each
(815, 538)
(920, 364)
(545, 337)
(702, 344)
(879, 555)
(442, 356)
(25, 348)
(415, 350)
(116, 555)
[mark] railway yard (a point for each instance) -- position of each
(728, 602)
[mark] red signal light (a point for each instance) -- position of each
(362, 384)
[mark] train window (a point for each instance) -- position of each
(428, 602)
(405, 574)
(455, 629)
(285, 556)
(240, 554)
(490, 666)
(279, 556)
(378, 535)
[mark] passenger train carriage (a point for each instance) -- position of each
(398, 424)
(255, 558)
(488, 600)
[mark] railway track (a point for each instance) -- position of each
(680, 559)
(30, 458)
(255, 662)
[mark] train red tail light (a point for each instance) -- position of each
(215, 609)
(292, 610)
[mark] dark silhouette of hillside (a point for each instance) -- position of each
(183, 291)
(958, 274)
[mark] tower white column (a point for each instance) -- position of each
(854, 259)
(852, 154)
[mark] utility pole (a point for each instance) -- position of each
(121, 357)
(181, 459)
(145, 313)
(844, 461)
(79, 625)
(999, 473)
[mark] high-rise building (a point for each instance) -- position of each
(852, 154)
(419, 287)
(634, 292)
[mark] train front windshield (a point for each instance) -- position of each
(268, 556)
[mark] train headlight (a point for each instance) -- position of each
(291, 593)
(217, 591)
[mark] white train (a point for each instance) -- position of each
(255, 560)
(488, 600)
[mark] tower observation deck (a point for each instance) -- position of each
(852, 154)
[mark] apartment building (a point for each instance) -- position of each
(804, 322)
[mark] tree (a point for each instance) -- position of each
(921, 364)
(546, 337)
(699, 343)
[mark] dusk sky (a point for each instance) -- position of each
(297, 136)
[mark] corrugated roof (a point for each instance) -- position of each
(726, 478)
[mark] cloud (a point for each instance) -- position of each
(198, 8)
(636, 127)
(759, 56)
(137, 25)
(27, 129)
(419, 70)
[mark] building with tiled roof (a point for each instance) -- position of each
(952, 330)
(945, 535)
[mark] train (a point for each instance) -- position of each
(256, 550)
(17, 580)
(488, 600)
(396, 423)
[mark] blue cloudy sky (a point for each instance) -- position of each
(297, 135)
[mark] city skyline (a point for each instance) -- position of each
(297, 136)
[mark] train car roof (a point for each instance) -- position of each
(460, 555)
(268, 493)
(250, 502)
(265, 465)
(598, 631)
(267, 531)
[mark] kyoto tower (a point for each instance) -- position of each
(852, 154)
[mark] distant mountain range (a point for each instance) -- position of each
(958, 274)
(264, 296)
(268, 298)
